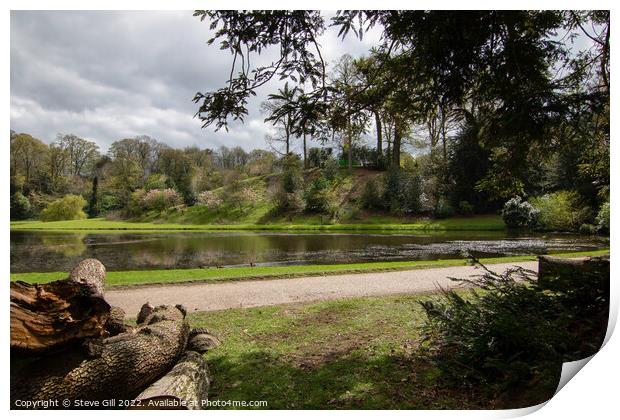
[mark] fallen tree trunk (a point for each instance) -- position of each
(49, 317)
(557, 273)
(184, 387)
(124, 365)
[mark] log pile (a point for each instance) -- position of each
(69, 344)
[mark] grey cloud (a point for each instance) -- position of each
(108, 75)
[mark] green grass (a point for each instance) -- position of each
(212, 275)
(351, 353)
(488, 223)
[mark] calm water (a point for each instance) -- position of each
(57, 251)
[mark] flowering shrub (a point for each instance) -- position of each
(209, 199)
(161, 199)
(602, 219)
(518, 213)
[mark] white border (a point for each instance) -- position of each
(591, 394)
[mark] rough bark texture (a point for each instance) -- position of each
(125, 365)
(90, 272)
(184, 387)
(49, 317)
(116, 321)
(559, 273)
(201, 340)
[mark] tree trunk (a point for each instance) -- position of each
(124, 365)
(305, 161)
(184, 387)
(49, 317)
(396, 146)
(560, 273)
(379, 138)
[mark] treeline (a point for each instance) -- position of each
(497, 115)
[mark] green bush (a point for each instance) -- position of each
(512, 329)
(371, 196)
(518, 213)
(316, 196)
(69, 207)
(443, 208)
(465, 208)
(561, 211)
(20, 207)
(602, 218)
(330, 169)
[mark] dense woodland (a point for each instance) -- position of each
(453, 113)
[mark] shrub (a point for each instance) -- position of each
(69, 207)
(602, 218)
(561, 210)
(588, 229)
(518, 213)
(443, 208)
(161, 199)
(20, 206)
(411, 193)
(330, 169)
(209, 199)
(512, 330)
(392, 183)
(371, 196)
(285, 201)
(321, 197)
(136, 207)
(156, 182)
(465, 208)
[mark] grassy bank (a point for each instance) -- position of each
(351, 353)
(212, 275)
(488, 223)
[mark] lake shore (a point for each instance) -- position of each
(162, 277)
(478, 223)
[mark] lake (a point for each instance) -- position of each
(60, 251)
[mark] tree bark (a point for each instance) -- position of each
(50, 317)
(396, 146)
(559, 273)
(379, 138)
(305, 161)
(124, 365)
(184, 387)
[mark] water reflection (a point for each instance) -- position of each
(58, 251)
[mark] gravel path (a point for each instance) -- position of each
(243, 294)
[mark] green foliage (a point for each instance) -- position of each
(443, 208)
(156, 182)
(70, 207)
(372, 197)
(512, 329)
(330, 169)
(602, 218)
(288, 202)
(561, 211)
(291, 174)
(518, 213)
(317, 196)
(465, 208)
(20, 206)
(402, 191)
(93, 201)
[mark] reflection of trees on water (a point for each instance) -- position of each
(49, 251)
(68, 245)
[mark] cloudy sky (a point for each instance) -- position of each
(111, 75)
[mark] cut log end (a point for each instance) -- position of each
(185, 387)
